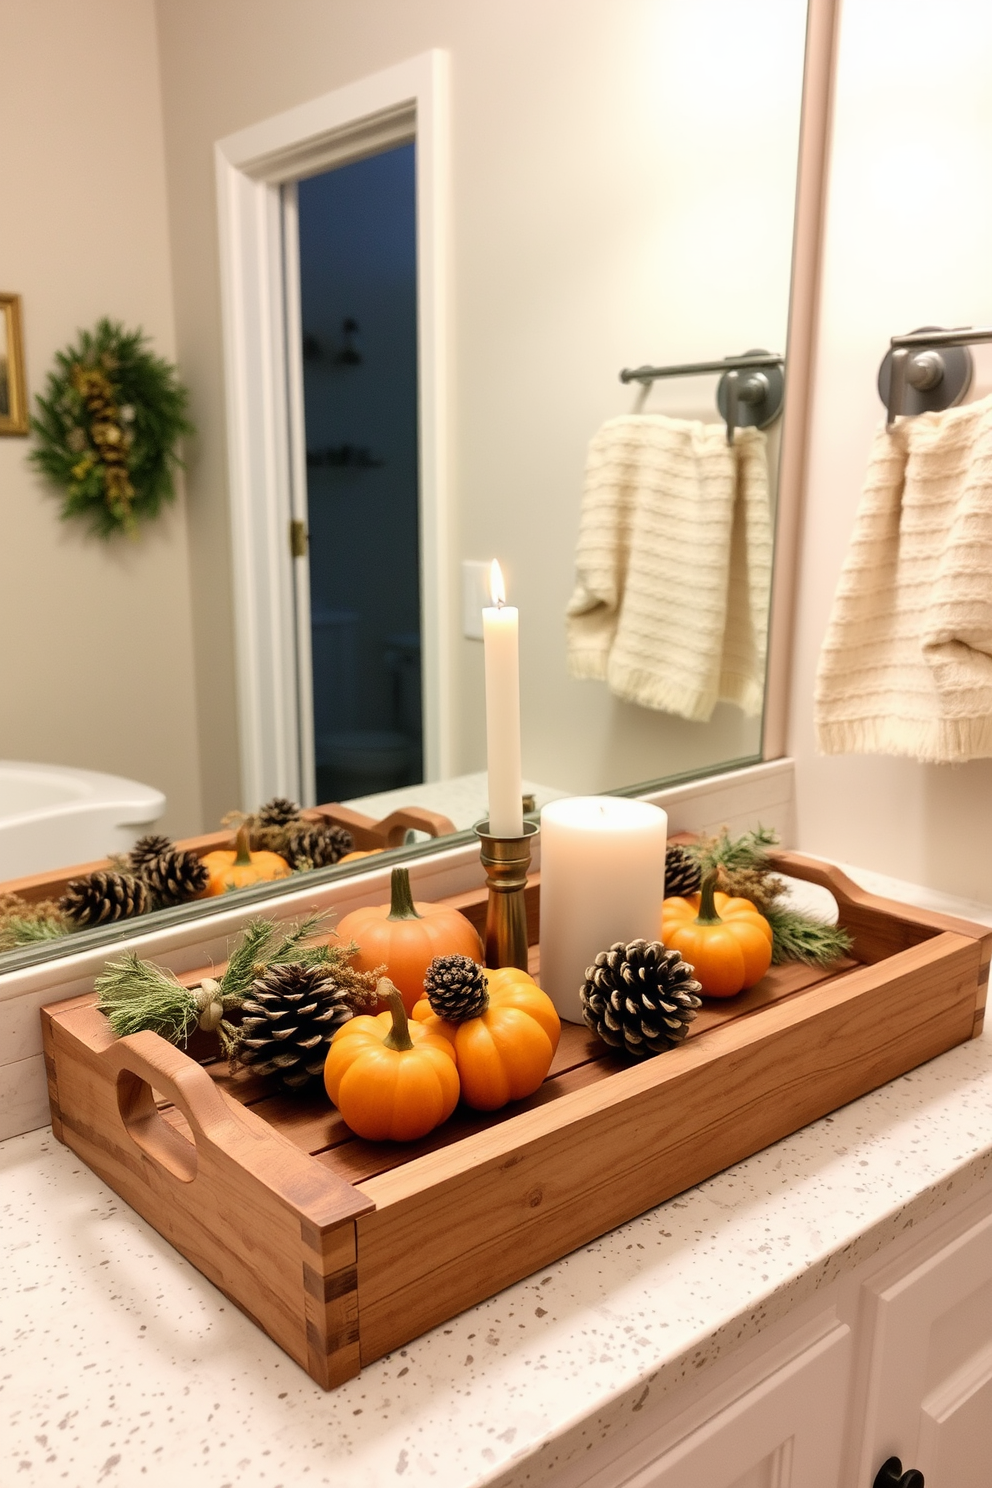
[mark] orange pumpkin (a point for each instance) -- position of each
(367, 852)
(503, 1053)
(391, 1080)
(726, 941)
(239, 867)
(405, 937)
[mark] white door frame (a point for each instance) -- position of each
(267, 461)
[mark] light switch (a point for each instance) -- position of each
(475, 595)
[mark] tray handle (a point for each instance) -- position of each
(224, 1131)
(393, 828)
(146, 1063)
(844, 889)
(857, 903)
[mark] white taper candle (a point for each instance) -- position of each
(499, 633)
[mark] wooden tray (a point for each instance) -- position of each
(366, 833)
(343, 1249)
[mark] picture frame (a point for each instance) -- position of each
(13, 392)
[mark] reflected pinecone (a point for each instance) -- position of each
(316, 844)
(175, 876)
(145, 850)
(640, 997)
(278, 812)
(104, 896)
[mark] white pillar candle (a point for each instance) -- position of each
(602, 880)
(499, 633)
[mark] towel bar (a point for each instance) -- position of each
(743, 400)
(928, 370)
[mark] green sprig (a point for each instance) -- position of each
(746, 872)
(799, 937)
(136, 995)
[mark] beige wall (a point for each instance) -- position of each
(603, 214)
(96, 661)
(908, 243)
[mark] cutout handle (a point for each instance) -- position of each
(149, 1130)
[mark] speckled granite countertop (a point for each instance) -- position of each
(120, 1364)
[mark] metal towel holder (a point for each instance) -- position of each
(928, 370)
(749, 394)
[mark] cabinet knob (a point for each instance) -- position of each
(891, 1475)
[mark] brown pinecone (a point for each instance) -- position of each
(145, 850)
(290, 1016)
(316, 844)
(682, 872)
(640, 997)
(456, 988)
(175, 876)
(278, 812)
(104, 896)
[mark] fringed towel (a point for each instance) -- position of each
(673, 566)
(906, 665)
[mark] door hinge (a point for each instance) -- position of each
(298, 538)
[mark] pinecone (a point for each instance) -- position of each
(316, 844)
(640, 997)
(278, 812)
(104, 896)
(290, 1016)
(145, 850)
(682, 873)
(456, 988)
(175, 876)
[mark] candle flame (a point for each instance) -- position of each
(496, 586)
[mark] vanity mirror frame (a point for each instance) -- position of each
(250, 205)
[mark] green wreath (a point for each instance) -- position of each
(107, 429)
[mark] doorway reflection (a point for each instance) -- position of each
(358, 289)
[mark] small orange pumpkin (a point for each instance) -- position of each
(367, 852)
(405, 937)
(390, 1079)
(238, 867)
(504, 1052)
(726, 941)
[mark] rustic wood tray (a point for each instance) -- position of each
(365, 831)
(342, 1249)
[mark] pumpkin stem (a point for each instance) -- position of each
(707, 908)
(398, 1036)
(242, 848)
(401, 905)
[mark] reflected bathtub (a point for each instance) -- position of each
(52, 816)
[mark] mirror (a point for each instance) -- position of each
(623, 188)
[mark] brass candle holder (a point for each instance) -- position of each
(506, 861)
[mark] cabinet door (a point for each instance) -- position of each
(930, 1378)
(786, 1431)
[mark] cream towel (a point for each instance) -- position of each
(906, 665)
(673, 565)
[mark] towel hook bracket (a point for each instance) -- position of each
(750, 398)
(927, 380)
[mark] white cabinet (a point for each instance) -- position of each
(778, 1423)
(929, 1393)
(892, 1359)
(785, 1432)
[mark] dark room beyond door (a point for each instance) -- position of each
(358, 291)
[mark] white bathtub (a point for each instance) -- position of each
(53, 817)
